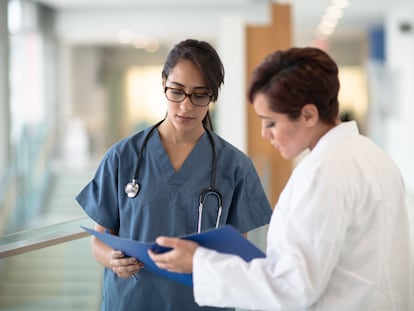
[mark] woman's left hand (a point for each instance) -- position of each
(179, 259)
(124, 267)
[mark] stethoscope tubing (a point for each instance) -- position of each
(206, 192)
(132, 188)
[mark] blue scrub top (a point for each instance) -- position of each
(167, 204)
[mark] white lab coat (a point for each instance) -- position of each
(338, 238)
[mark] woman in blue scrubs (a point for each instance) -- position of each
(177, 164)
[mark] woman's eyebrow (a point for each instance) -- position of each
(175, 83)
(178, 84)
(264, 117)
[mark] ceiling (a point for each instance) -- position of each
(359, 16)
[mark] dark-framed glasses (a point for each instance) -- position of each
(177, 96)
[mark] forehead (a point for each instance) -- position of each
(261, 105)
(186, 73)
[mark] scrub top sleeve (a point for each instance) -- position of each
(250, 206)
(99, 197)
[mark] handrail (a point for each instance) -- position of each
(34, 239)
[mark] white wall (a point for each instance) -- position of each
(399, 131)
(231, 108)
(399, 128)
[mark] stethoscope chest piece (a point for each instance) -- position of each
(132, 189)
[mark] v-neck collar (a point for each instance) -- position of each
(201, 149)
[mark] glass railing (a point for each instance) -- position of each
(24, 187)
(50, 268)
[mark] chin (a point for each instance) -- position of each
(286, 156)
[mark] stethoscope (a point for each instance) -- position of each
(133, 187)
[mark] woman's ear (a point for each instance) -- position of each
(310, 114)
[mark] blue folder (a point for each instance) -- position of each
(225, 239)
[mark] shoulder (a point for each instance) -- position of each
(232, 160)
(227, 150)
(342, 158)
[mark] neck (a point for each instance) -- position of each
(321, 130)
(171, 134)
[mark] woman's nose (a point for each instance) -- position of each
(186, 103)
(265, 133)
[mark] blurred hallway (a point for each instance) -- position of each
(76, 76)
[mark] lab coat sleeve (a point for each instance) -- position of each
(223, 280)
(305, 239)
(211, 288)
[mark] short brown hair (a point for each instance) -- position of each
(295, 77)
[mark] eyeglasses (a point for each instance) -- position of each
(177, 96)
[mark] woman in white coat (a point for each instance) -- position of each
(338, 237)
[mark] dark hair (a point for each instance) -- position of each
(205, 57)
(295, 77)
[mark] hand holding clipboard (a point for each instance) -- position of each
(225, 239)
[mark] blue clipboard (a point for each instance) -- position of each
(225, 239)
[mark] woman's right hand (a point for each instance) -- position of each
(124, 267)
